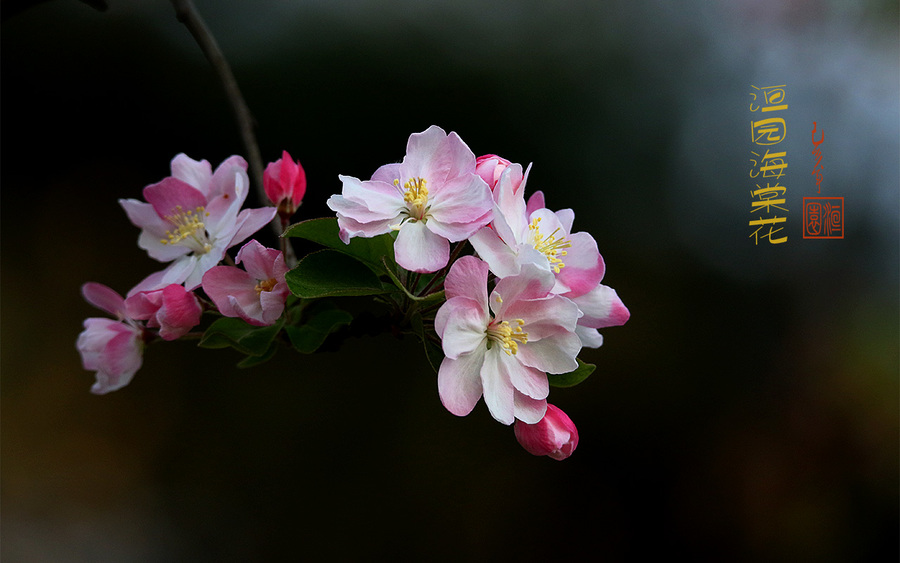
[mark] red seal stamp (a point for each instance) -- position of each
(823, 217)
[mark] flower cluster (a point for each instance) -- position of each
(189, 220)
(547, 302)
(501, 291)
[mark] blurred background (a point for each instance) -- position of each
(748, 411)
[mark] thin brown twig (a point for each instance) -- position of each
(187, 14)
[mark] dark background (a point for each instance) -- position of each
(746, 412)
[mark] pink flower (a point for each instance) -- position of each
(432, 198)
(542, 237)
(111, 348)
(173, 309)
(256, 295)
(285, 183)
(555, 435)
(532, 234)
(490, 167)
(503, 347)
(192, 218)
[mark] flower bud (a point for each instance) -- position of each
(490, 167)
(555, 435)
(285, 183)
(173, 309)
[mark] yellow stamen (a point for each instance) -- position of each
(266, 285)
(508, 337)
(549, 246)
(188, 225)
(415, 196)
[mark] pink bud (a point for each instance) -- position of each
(173, 309)
(555, 435)
(285, 183)
(489, 167)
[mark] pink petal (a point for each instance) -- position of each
(554, 353)
(157, 250)
(499, 256)
(260, 262)
(462, 326)
(419, 250)
(511, 203)
(468, 278)
(527, 409)
(590, 337)
(231, 289)
(350, 228)
(172, 196)
(196, 173)
(251, 221)
(602, 308)
(566, 218)
(143, 216)
(272, 302)
(104, 298)
(150, 283)
(427, 156)
(199, 265)
(535, 202)
(544, 317)
(530, 381)
(230, 179)
(465, 200)
(388, 173)
(462, 159)
(531, 283)
(584, 266)
(498, 390)
(374, 200)
(143, 306)
(180, 312)
(459, 382)
(251, 312)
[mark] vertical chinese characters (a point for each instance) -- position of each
(768, 165)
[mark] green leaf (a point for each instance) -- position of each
(572, 378)
(324, 231)
(307, 338)
(240, 335)
(251, 361)
(328, 273)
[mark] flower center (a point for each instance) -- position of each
(549, 246)
(190, 230)
(507, 336)
(266, 285)
(415, 196)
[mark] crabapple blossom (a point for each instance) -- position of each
(523, 233)
(173, 309)
(542, 238)
(490, 167)
(256, 294)
(433, 197)
(554, 435)
(285, 183)
(192, 217)
(502, 347)
(111, 348)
